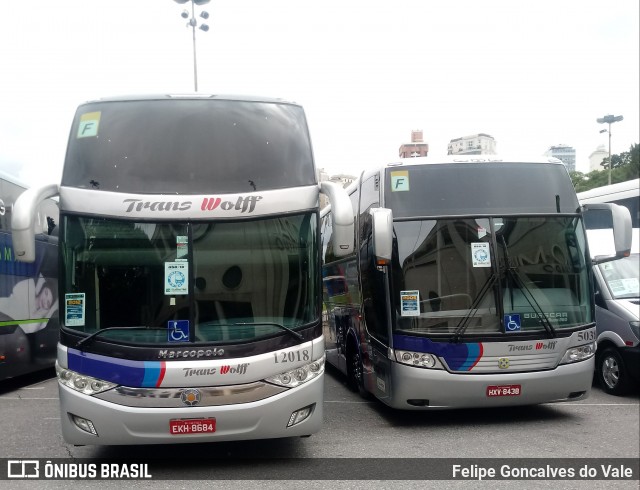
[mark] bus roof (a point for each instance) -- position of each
(609, 193)
(10, 178)
(447, 159)
(472, 159)
(191, 96)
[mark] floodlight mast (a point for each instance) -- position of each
(609, 119)
(193, 23)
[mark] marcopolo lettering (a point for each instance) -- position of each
(189, 354)
(139, 205)
(243, 204)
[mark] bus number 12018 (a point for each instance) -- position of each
(292, 356)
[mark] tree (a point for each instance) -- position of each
(625, 166)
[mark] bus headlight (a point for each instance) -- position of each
(82, 383)
(418, 359)
(298, 376)
(576, 354)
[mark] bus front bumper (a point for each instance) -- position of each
(122, 425)
(414, 388)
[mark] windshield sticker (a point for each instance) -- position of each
(410, 303)
(480, 254)
(175, 278)
(482, 232)
(178, 331)
(400, 181)
(624, 286)
(182, 248)
(89, 123)
(512, 323)
(74, 310)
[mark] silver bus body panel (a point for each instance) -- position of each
(119, 425)
(189, 207)
(191, 372)
(444, 390)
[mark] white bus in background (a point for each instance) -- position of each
(625, 194)
(190, 271)
(469, 286)
(29, 327)
(617, 293)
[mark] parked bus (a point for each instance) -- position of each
(470, 284)
(28, 292)
(617, 293)
(625, 194)
(190, 271)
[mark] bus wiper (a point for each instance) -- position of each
(528, 295)
(91, 337)
(462, 325)
(279, 325)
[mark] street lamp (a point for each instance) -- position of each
(193, 23)
(609, 119)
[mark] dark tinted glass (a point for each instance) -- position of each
(479, 189)
(238, 280)
(188, 147)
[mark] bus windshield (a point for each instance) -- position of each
(490, 275)
(231, 281)
(190, 146)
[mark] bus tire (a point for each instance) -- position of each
(355, 378)
(611, 372)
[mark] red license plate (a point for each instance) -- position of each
(504, 390)
(192, 426)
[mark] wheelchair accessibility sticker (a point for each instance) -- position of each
(512, 323)
(178, 330)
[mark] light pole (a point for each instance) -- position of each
(609, 119)
(193, 23)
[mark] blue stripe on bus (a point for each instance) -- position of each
(459, 357)
(121, 371)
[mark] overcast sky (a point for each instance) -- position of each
(530, 74)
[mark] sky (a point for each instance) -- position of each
(530, 74)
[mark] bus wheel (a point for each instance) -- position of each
(354, 371)
(611, 372)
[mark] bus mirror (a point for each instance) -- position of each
(618, 220)
(23, 220)
(382, 222)
(343, 232)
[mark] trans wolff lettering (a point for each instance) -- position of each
(243, 204)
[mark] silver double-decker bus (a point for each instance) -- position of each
(470, 284)
(189, 279)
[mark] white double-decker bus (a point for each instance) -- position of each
(189, 277)
(470, 284)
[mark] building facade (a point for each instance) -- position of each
(565, 153)
(596, 158)
(417, 147)
(475, 144)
